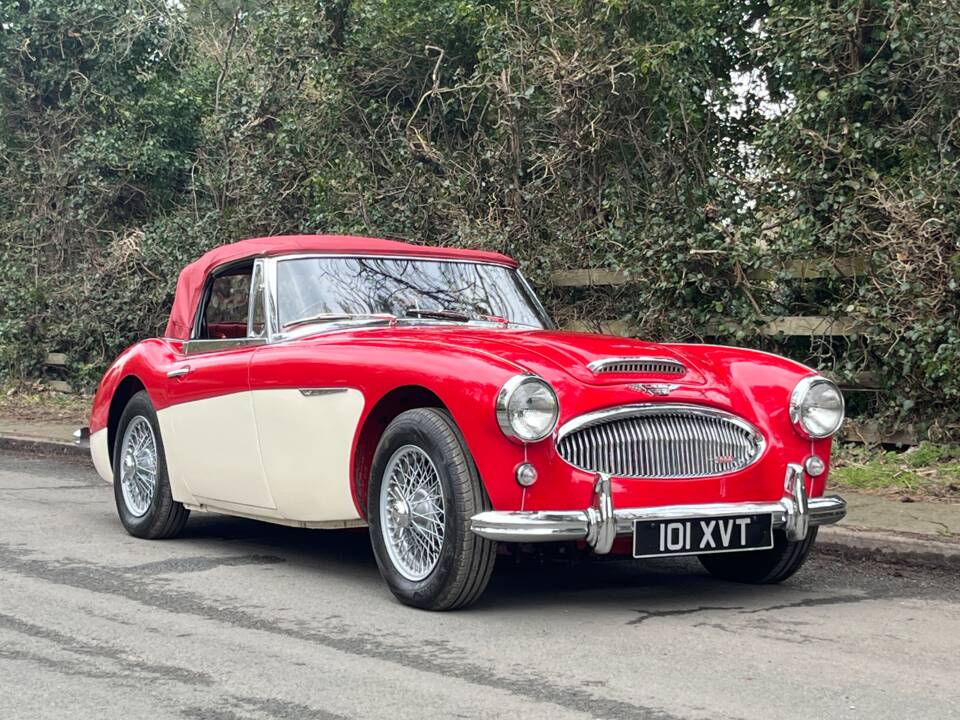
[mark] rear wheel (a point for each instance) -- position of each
(141, 487)
(424, 488)
(762, 567)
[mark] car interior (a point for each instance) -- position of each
(226, 302)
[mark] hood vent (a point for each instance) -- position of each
(638, 366)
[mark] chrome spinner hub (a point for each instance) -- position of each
(400, 512)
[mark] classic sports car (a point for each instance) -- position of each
(334, 382)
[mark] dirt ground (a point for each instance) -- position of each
(34, 403)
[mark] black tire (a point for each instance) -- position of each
(762, 567)
(164, 517)
(465, 560)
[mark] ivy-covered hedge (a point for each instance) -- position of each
(690, 144)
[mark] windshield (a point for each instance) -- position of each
(321, 289)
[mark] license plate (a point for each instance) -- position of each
(700, 536)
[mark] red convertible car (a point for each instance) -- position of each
(334, 382)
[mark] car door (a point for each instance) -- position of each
(306, 422)
(215, 447)
(307, 416)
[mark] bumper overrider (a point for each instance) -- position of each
(600, 523)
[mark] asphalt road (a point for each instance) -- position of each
(237, 619)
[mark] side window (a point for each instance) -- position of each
(226, 313)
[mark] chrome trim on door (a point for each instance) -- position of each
(195, 347)
(316, 392)
(178, 372)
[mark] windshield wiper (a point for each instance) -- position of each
(452, 315)
(335, 317)
(457, 316)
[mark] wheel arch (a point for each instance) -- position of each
(126, 389)
(388, 407)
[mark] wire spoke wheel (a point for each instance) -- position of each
(138, 466)
(411, 506)
(424, 490)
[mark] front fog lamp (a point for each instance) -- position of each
(816, 408)
(526, 474)
(814, 466)
(527, 408)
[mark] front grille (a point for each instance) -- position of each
(638, 365)
(660, 442)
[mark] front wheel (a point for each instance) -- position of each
(424, 488)
(762, 567)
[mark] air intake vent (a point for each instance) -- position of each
(660, 442)
(638, 366)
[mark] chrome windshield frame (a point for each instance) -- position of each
(275, 333)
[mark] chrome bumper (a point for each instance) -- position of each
(600, 523)
(81, 436)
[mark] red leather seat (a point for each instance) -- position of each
(224, 330)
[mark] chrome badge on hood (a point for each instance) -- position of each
(659, 389)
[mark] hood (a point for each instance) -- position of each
(590, 359)
(754, 384)
(570, 354)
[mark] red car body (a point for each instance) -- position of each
(465, 369)
(460, 367)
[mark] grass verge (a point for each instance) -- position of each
(927, 471)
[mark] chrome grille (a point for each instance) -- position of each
(660, 442)
(638, 365)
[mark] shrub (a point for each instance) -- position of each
(615, 134)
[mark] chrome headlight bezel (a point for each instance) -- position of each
(503, 410)
(801, 394)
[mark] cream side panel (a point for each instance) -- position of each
(100, 453)
(213, 450)
(305, 443)
(176, 471)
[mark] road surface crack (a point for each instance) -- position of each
(648, 614)
(645, 615)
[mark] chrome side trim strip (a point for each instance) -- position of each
(194, 347)
(316, 392)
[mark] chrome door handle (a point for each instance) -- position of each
(178, 372)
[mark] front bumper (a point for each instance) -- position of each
(600, 524)
(81, 437)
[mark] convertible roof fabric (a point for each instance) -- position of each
(192, 277)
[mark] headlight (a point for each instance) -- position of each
(816, 408)
(527, 408)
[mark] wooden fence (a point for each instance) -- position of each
(855, 430)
